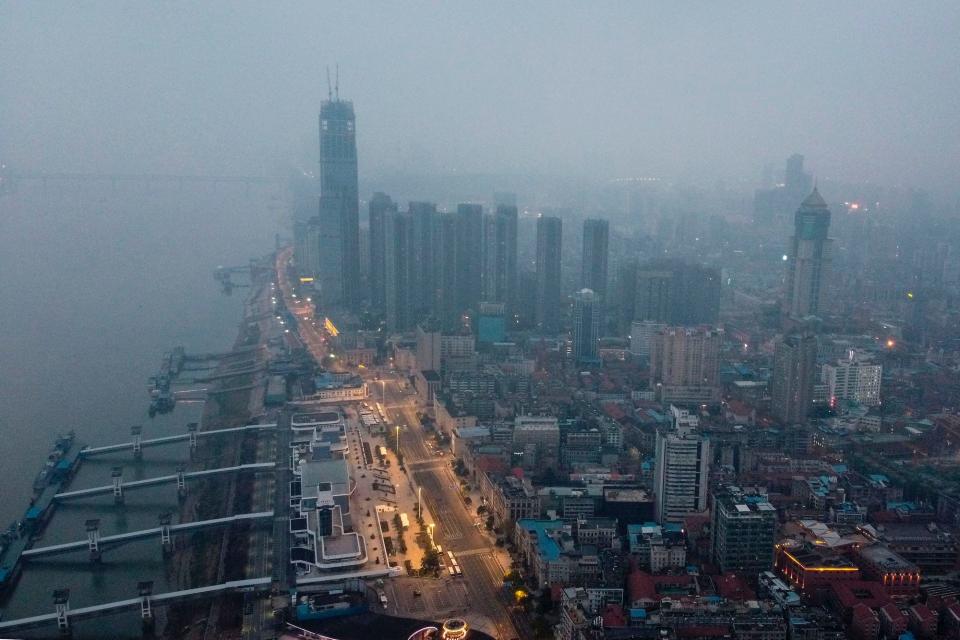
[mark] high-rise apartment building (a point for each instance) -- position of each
(586, 325)
(677, 293)
(682, 469)
(425, 244)
(500, 256)
(339, 216)
(469, 257)
(380, 205)
(791, 386)
(743, 530)
(445, 272)
(398, 269)
(809, 260)
(596, 251)
(685, 365)
(549, 238)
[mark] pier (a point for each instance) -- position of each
(63, 614)
(180, 478)
(153, 442)
(96, 543)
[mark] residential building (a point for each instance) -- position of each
(548, 308)
(685, 365)
(681, 473)
(794, 363)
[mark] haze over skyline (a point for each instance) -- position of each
(699, 93)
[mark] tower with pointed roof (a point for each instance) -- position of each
(809, 260)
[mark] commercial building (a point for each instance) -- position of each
(642, 333)
(549, 237)
(658, 547)
(809, 260)
(743, 527)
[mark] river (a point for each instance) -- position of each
(97, 280)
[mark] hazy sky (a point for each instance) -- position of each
(867, 91)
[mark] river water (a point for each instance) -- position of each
(97, 280)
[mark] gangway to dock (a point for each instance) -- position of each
(153, 600)
(180, 437)
(130, 536)
(175, 478)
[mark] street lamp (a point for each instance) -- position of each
(419, 504)
(398, 440)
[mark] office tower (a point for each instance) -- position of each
(549, 237)
(642, 334)
(586, 325)
(500, 256)
(469, 257)
(677, 293)
(424, 248)
(743, 528)
(808, 260)
(339, 216)
(596, 241)
(685, 365)
(794, 362)
(380, 205)
(682, 469)
(853, 378)
(398, 232)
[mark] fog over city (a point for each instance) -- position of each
(695, 93)
(537, 320)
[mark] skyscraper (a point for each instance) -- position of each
(794, 363)
(549, 237)
(682, 469)
(500, 256)
(398, 231)
(654, 297)
(596, 242)
(469, 257)
(380, 205)
(339, 217)
(586, 325)
(809, 260)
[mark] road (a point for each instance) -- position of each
(456, 524)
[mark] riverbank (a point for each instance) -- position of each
(234, 400)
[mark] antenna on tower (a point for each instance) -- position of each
(337, 85)
(329, 88)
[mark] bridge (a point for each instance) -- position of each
(118, 487)
(146, 178)
(95, 542)
(147, 600)
(154, 442)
